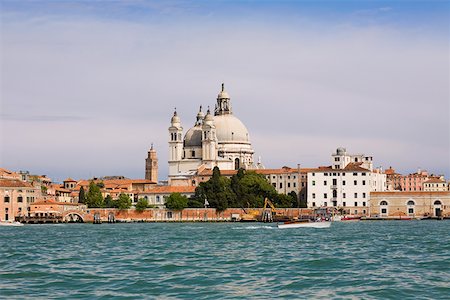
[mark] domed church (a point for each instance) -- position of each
(220, 140)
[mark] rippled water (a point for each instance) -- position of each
(350, 260)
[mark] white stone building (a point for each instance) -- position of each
(435, 185)
(345, 184)
(157, 195)
(220, 140)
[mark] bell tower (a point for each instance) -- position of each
(151, 165)
(209, 139)
(176, 138)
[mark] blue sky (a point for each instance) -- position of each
(86, 86)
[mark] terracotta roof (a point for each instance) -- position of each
(434, 180)
(69, 180)
(53, 202)
(390, 171)
(284, 170)
(14, 183)
(63, 190)
(111, 182)
(9, 173)
(401, 193)
(165, 189)
(350, 167)
(209, 172)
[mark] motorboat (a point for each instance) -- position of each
(305, 224)
(10, 223)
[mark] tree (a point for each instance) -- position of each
(109, 202)
(282, 200)
(82, 196)
(124, 201)
(94, 196)
(294, 201)
(141, 205)
(193, 202)
(176, 201)
(237, 188)
(100, 184)
(217, 191)
(255, 188)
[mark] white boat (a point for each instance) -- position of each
(10, 223)
(324, 224)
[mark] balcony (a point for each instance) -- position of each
(333, 187)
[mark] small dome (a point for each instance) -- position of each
(340, 151)
(223, 95)
(200, 116)
(193, 137)
(230, 129)
(208, 117)
(175, 118)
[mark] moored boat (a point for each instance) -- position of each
(301, 224)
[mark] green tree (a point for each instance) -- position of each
(217, 191)
(237, 188)
(124, 201)
(176, 201)
(294, 202)
(43, 190)
(193, 202)
(109, 202)
(100, 184)
(94, 196)
(141, 205)
(255, 188)
(282, 200)
(82, 196)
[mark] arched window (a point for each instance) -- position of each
(236, 164)
(383, 203)
(437, 202)
(410, 202)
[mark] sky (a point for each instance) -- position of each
(87, 86)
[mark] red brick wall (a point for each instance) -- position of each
(188, 214)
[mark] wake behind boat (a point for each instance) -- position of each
(10, 223)
(306, 224)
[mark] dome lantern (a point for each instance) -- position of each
(223, 106)
(200, 116)
(176, 121)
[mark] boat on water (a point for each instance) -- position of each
(303, 224)
(10, 223)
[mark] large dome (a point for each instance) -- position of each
(230, 129)
(193, 137)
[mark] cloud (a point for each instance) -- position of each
(95, 93)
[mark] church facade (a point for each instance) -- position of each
(218, 139)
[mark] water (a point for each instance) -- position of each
(350, 260)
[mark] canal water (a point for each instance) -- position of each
(350, 260)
